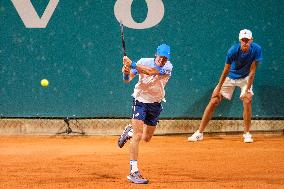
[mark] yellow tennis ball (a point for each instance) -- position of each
(44, 82)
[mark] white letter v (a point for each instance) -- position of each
(29, 15)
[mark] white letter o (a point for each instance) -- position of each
(122, 12)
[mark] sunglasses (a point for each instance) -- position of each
(245, 40)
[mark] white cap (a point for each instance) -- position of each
(245, 34)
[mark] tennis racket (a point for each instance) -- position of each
(122, 38)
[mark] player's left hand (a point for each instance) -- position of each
(247, 95)
(126, 61)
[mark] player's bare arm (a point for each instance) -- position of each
(251, 75)
(147, 70)
(223, 76)
(140, 68)
(252, 71)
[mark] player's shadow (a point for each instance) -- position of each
(199, 106)
(270, 101)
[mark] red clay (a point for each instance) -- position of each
(168, 161)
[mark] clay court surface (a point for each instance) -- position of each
(168, 161)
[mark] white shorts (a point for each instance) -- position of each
(229, 86)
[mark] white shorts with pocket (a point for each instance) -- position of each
(229, 86)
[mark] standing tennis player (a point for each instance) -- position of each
(239, 71)
(148, 94)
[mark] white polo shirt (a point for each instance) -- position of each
(151, 88)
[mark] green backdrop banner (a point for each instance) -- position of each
(76, 45)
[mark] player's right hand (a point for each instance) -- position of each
(126, 61)
(216, 93)
(125, 70)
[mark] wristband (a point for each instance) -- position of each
(134, 71)
(161, 70)
(133, 65)
(125, 77)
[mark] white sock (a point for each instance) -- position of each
(133, 166)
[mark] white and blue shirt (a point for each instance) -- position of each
(151, 88)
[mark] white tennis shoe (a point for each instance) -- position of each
(247, 138)
(195, 137)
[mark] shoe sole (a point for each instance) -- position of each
(191, 140)
(130, 180)
(121, 144)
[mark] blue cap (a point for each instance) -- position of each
(164, 50)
